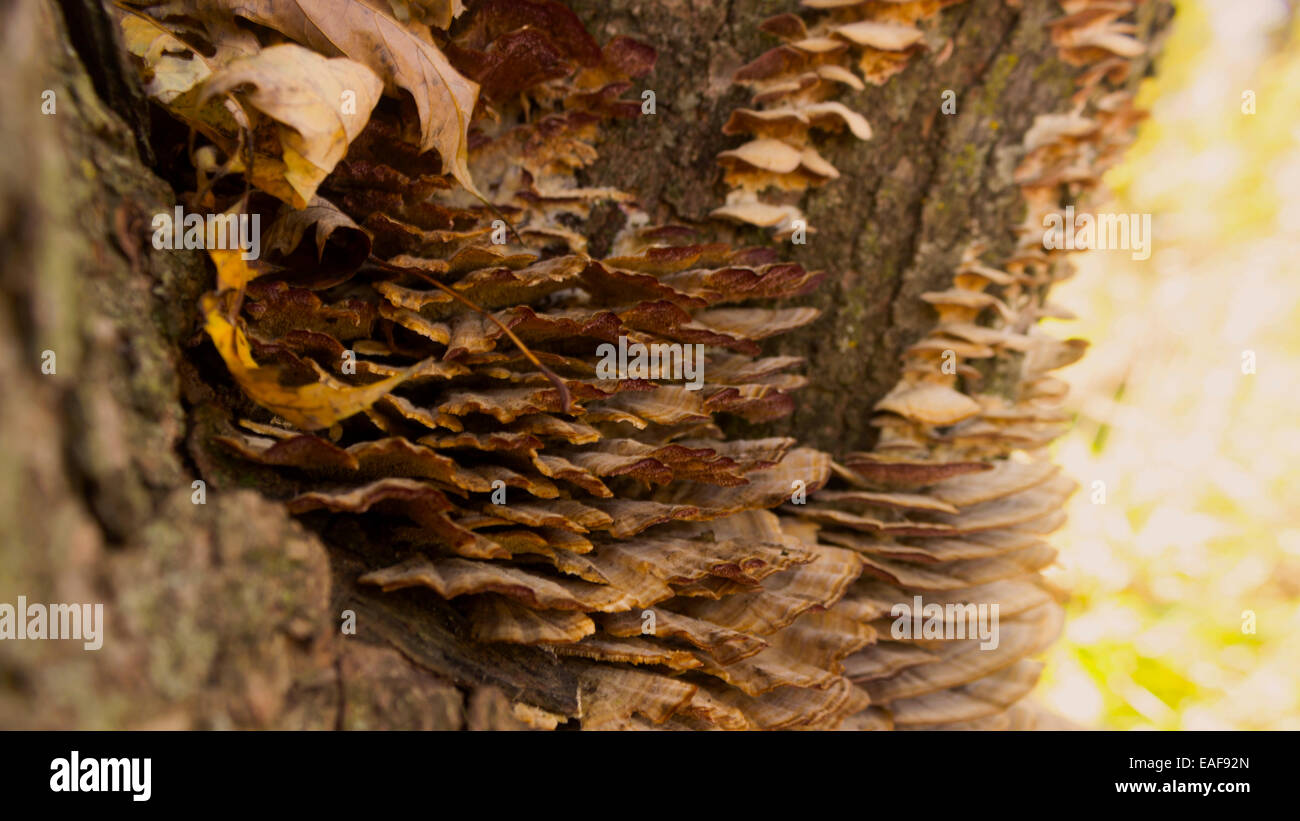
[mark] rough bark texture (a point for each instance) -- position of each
(908, 201)
(227, 614)
(216, 615)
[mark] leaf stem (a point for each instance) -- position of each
(524, 349)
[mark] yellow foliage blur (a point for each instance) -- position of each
(1183, 547)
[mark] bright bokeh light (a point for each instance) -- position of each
(1200, 524)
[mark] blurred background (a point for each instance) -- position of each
(1199, 461)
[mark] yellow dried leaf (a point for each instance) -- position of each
(174, 67)
(368, 34)
(321, 105)
(233, 271)
(308, 407)
(436, 13)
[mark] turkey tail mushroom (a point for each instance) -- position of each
(481, 442)
(791, 87)
(526, 495)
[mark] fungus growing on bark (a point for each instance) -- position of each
(415, 366)
(442, 393)
(791, 84)
(948, 441)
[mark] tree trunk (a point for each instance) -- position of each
(909, 201)
(99, 501)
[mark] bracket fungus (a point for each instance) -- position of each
(834, 44)
(413, 368)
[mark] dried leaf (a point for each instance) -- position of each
(309, 407)
(443, 98)
(306, 93)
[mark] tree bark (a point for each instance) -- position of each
(227, 614)
(908, 201)
(216, 615)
